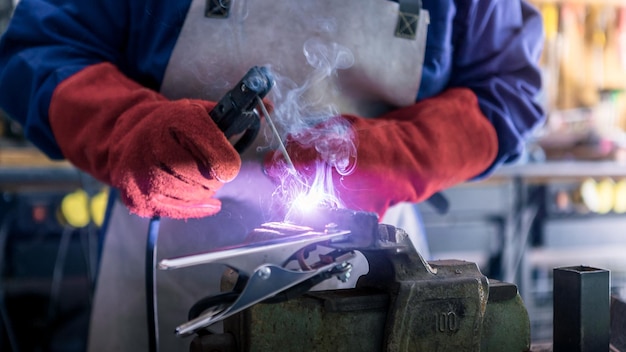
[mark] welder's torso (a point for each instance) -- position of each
(326, 57)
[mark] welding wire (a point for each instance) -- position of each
(281, 145)
(151, 284)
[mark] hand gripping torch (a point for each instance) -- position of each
(236, 114)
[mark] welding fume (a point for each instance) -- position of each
(222, 119)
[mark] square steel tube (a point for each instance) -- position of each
(581, 309)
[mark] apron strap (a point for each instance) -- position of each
(405, 28)
(408, 18)
(217, 8)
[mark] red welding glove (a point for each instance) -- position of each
(167, 158)
(406, 155)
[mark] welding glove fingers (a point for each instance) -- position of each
(167, 157)
(409, 154)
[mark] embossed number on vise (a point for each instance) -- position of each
(446, 322)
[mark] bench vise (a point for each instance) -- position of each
(403, 304)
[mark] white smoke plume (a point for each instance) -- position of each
(307, 115)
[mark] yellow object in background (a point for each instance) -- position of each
(78, 209)
(620, 197)
(550, 14)
(98, 206)
(74, 208)
(605, 196)
(589, 194)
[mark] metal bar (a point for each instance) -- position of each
(581, 309)
(281, 145)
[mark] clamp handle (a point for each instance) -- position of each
(265, 282)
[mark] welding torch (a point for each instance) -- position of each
(236, 114)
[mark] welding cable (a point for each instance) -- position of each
(4, 315)
(151, 290)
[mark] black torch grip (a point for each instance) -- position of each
(235, 113)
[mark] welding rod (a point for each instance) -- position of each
(281, 145)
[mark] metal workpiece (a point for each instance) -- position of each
(581, 309)
(276, 242)
(275, 248)
(363, 226)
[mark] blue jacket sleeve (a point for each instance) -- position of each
(50, 40)
(496, 54)
(45, 43)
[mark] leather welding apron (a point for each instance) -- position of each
(340, 54)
